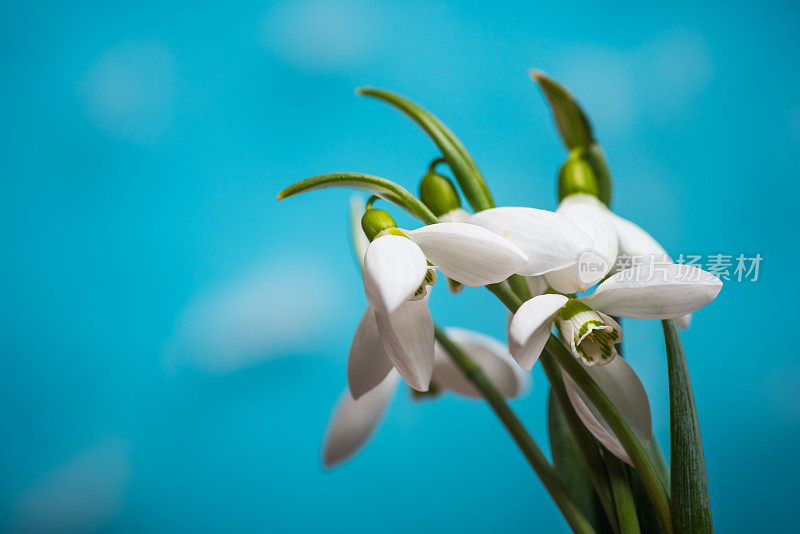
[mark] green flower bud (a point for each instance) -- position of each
(375, 221)
(438, 193)
(577, 176)
(597, 159)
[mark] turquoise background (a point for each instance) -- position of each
(173, 339)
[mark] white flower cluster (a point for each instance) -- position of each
(562, 254)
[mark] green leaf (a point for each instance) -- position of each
(691, 507)
(386, 189)
(576, 131)
(463, 166)
(569, 464)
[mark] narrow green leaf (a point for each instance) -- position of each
(691, 507)
(386, 189)
(463, 166)
(576, 131)
(570, 467)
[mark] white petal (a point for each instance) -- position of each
(658, 291)
(456, 215)
(549, 239)
(394, 268)
(537, 285)
(580, 276)
(634, 242)
(530, 327)
(626, 392)
(684, 321)
(353, 421)
(490, 354)
(591, 216)
(407, 338)
(368, 363)
(468, 253)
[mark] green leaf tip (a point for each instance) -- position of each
(386, 189)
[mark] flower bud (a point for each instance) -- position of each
(375, 221)
(591, 335)
(438, 193)
(577, 176)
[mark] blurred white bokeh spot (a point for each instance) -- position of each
(129, 90)
(278, 307)
(80, 495)
(323, 34)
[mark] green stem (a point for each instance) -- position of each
(576, 520)
(623, 496)
(638, 455)
(519, 286)
(506, 296)
(641, 460)
(583, 438)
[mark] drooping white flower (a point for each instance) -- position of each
(643, 292)
(613, 238)
(354, 420)
(396, 272)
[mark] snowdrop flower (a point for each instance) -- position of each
(553, 242)
(614, 236)
(550, 240)
(644, 292)
(354, 421)
(396, 275)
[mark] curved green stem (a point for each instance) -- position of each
(623, 495)
(638, 455)
(641, 460)
(586, 443)
(536, 458)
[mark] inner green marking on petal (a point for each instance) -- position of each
(585, 327)
(573, 308)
